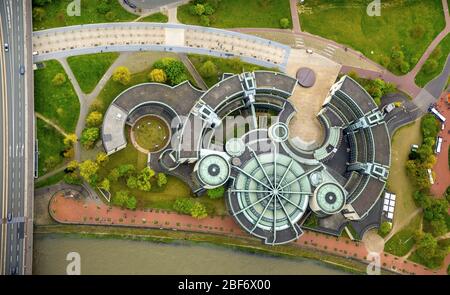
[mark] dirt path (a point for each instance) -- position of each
(51, 123)
(190, 67)
(400, 225)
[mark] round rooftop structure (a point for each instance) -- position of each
(235, 147)
(279, 132)
(271, 192)
(306, 77)
(329, 197)
(213, 171)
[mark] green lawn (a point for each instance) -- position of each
(56, 14)
(403, 241)
(398, 181)
(223, 65)
(57, 103)
(90, 68)
(242, 14)
(54, 179)
(50, 146)
(439, 55)
(155, 18)
(409, 25)
(159, 198)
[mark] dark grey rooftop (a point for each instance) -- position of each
(382, 144)
(359, 95)
(275, 80)
(226, 88)
(369, 196)
(181, 98)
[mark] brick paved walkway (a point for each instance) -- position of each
(89, 212)
(441, 168)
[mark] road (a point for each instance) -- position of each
(17, 137)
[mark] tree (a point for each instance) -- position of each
(72, 178)
(120, 198)
(88, 171)
(161, 179)
(105, 184)
(122, 75)
(426, 246)
(208, 69)
(114, 175)
(70, 139)
(183, 205)
(131, 203)
(173, 68)
(89, 136)
(132, 182)
(72, 166)
(59, 79)
(103, 7)
(437, 209)
(102, 159)
(430, 66)
(38, 14)
(198, 211)
(199, 9)
(205, 21)
(144, 179)
(430, 126)
(94, 119)
(209, 9)
(284, 23)
(126, 170)
(96, 105)
(51, 162)
(438, 227)
(69, 153)
(216, 193)
(157, 75)
(385, 228)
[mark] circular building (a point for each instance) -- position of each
(269, 196)
(306, 77)
(212, 171)
(329, 198)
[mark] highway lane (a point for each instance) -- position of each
(13, 33)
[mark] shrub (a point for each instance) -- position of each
(94, 119)
(89, 136)
(88, 171)
(199, 9)
(101, 158)
(161, 179)
(430, 66)
(157, 75)
(198, 211)
(284, 23)
(110, 15)
(70, 139)
(183, 205)
(59, 79)
(209, 9)
(216, 193)
(205, 21)
(173, 68)
(103, 7)
(208, 69)
(122, 75)
(38, 13)
(384, 229)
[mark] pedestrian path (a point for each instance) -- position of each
(90, 212)
(299, 42)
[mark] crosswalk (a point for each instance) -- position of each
(299, 42)
(329, 50)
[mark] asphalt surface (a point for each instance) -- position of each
(14, 121)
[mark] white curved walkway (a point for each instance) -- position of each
(95, 38)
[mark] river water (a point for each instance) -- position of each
(110, 256)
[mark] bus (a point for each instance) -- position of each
(438, 145)
(437, 114)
